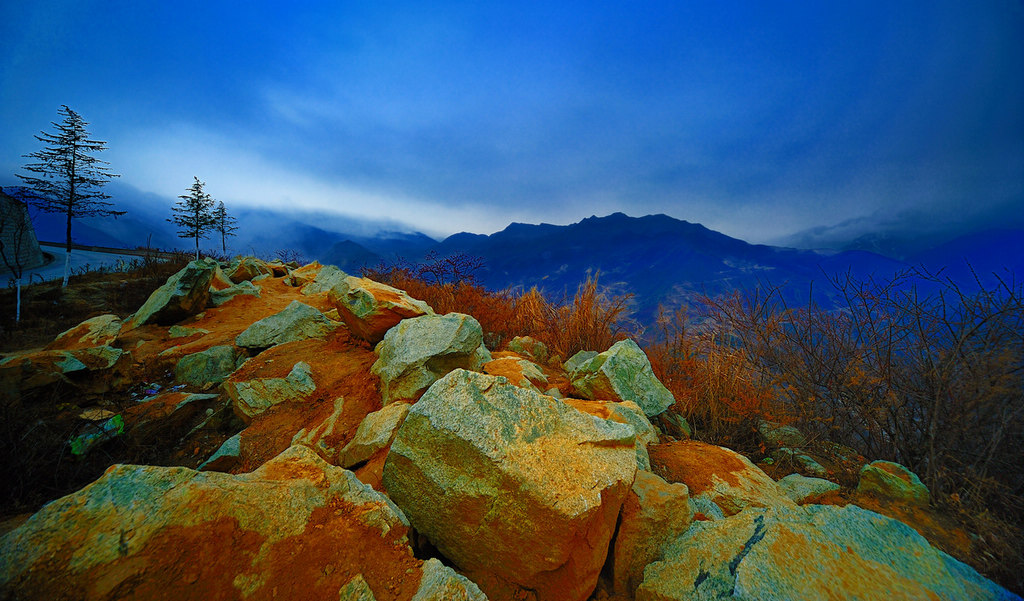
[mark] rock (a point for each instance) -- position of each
(252, 397)
(95, 331)
(296, 528)
(811, 552)
(95, 414)
(438, 582)
(375, 432)
(163, 416)
(219, 297)
(96, 358)
(226, 457)
(801, 460)
(625, 412)
(213, 365)
(356, 590)
(517, 489)
(185, 293)
(185, 332)
(893, 481)
(802, 489)
(654, 514)
(622, 373)
(519, 371)
(247, 268)
(323, 438)
(417, 352)
(776, 435)
(724, 476)
(529, 347)
(675, 425)
(370, 309)
(574, 362)
(298, 321)
(220, 280)
(326, 278)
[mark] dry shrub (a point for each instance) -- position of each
(590, 320)
(711, 380)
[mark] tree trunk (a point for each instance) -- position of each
(17, 310)
(67, 254)
(197, 248)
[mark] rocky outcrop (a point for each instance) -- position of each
(226, 457)
(724, 477)
(519, 490)
(252, 397)
(96, 331)
(812, 552)
(323, 438)
(654, 514)
(802, 489)
(370, 309)
(295, 528)
(375, 432)
(185, 293)
(211, 366)
(622, 373)
(298, 321)
(419, 351)
(163, 416)
(893, 481)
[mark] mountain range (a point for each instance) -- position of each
(659, 259)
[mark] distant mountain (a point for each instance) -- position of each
(660, 259)
(998, 252)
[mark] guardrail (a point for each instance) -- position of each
(140, 252)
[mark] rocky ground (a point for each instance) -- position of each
(260, 430)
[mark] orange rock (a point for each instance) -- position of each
(725, 477)
(370, 308)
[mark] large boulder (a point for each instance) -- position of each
(95, 331)
(893, 481)
(370, 308)
(417, 352)
(252, 397)
(519, 371)
(529, 347)
(812, 552)
(297, 321)
(185, 293)
(622, 373)
(375, 432)
(438, 582)
(213, 365)
(247, 268)
(720, 475)
(625, 412)
(296, 528)
(518, 489)
(327, 277)
(802, 489)
(654, 514)
(219, 297)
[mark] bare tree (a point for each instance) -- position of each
(194, 214)
(225, 224)
(69, 177)
(16, 242)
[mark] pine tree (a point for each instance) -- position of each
(194, 214)
(69, 176)
(225, 224)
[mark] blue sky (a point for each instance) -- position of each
(757, 119)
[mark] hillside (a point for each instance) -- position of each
(268, 430)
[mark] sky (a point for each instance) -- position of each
(757, 119)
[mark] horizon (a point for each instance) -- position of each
(764, 124)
